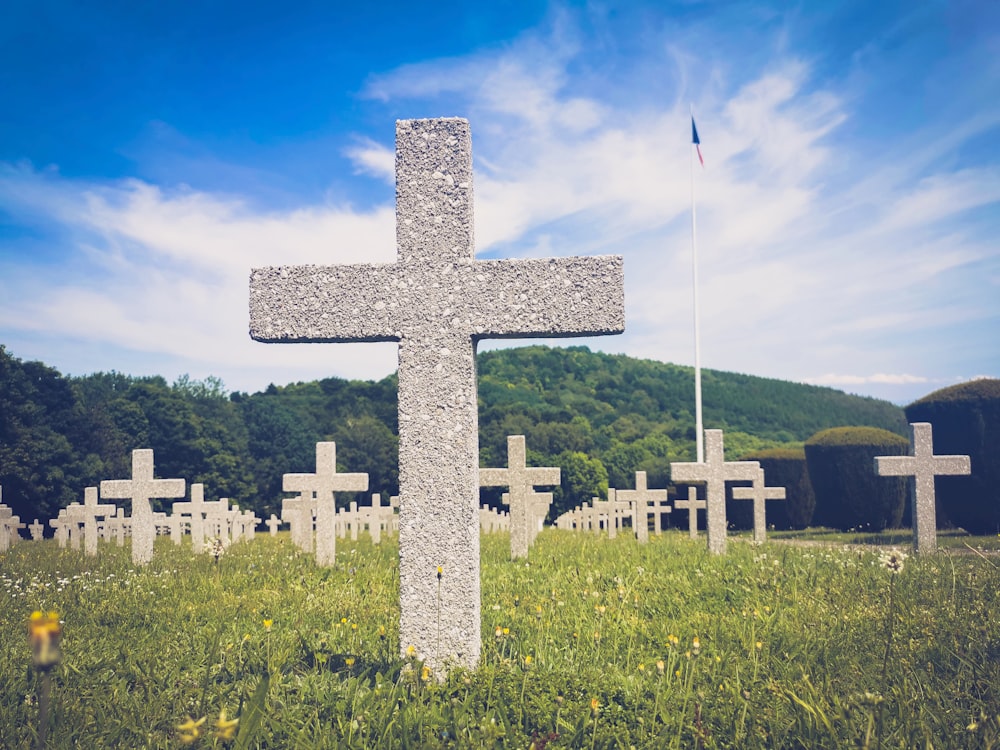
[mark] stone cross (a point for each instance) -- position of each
(521, 482)
(272, 524)
(61, 525)
(8, 524)
(197, 509)
(298, 512)
(438, 301)
(923, 466)
(36, 530)
(760, 495)
(73, 517)
(140, 489)
(87, 515)
(642, 499)
(715, 471)
(324, 483)
(692, 505)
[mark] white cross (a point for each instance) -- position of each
(87, 515)
(715, 472)
(760, 495)
(923, 466)
(641, 498)
(521, 482)
(272, 524)
(197, 509)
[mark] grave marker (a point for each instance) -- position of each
(760, 494)
(923, 466)
(87, 515)
(521, 482)
(642, 500)
(37, 530)
(715, 471)
(272, 524)
(325, 483)
(437, 301)
(140, 489)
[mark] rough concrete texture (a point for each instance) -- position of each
(140, 489)
(760, 494)
(437, 301)
(7, 523)
(324, 484)
(692, 505)
(923, 466)
(641, 499)
(36, 530)
(87, 514)
(299, 512)
(715, 472)
(520, 480)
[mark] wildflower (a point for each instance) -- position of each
(673, 640)
(216, 547)
(349, 661)
(190, 730)
(695, 646)
(527, 661)
(411, 651)
(225, 728)
(268, 624)
(425, 673)
(641, 667)
(660, 666)
(759, 645)
(440, 572)
(595, 707)
(498, 632)
(44, 632)
(892, 560)
(506, 631)
(381, 631)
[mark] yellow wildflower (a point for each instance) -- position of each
(268, 624)
(225, 728)
(695, 646)
(595, 706)
(190, 730)
(660, 666)
(349, 661)
(44, 632)
(440, 572)
(411, 651)
(498, 632)
(425, 673)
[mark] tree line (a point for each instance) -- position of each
(598, 417)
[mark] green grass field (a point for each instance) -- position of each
(594, 643)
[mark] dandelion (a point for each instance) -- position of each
(660, 666)
(44, 632)
(892, 560)
(225, 728)
(759, 645)
(440, 572)
(695, 646)
(411, 651)
(498, 632)
(595, 707)
(190, 730)
(673, 640)
(425, 673)
(268, 624)
(527, 661)
(349, 661)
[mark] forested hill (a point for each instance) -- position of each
(599, 417)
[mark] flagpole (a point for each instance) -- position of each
(698, 427)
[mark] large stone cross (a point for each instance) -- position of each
(87, 515)
(923, 466)
(760, 495)
(8, 522)
(643, 500)
(324, 483)
(715, 472)
(520, 480)
(438, 301)
(140, 489)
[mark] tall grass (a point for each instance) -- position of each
(591, 643)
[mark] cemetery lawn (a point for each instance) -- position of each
(594, 643)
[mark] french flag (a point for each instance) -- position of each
(696, 141)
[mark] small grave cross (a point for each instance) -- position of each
(715, 472)
(140, 489)
(272, 524)
(325, 482)
(642, 499)
(923, 466)
(692, 505)
(87, 515)
(760, 495)
(438, 301)
(197, 508)
(521, 482)
(37, 530)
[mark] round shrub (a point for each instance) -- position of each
(783, 467)
(849, 494)
(966, 421)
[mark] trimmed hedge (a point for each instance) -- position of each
(849, 494)
(783, 467)
(966, 421)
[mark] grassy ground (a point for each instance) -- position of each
(950, 539)
(594, 643)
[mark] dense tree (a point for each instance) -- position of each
(783, 467)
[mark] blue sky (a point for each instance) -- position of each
(848, 211)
